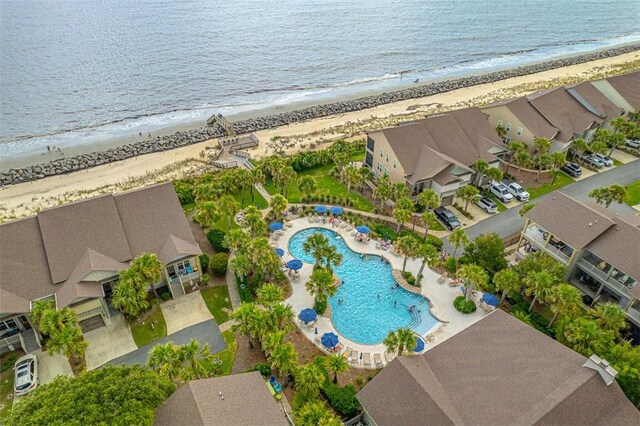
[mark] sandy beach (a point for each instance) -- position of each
(27, 198)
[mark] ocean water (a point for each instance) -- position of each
(83, 71)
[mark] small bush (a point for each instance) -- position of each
(204, 262)
(218, 264)
(184, 190)
(435, 241)
(369, 377)
(463, 305)
(263, 367)
(409, 277)
(204, 279)
(216, 238)
(343, 400)
(165, 296)
(450, 265)
(320, 307)
(359, 380)
(8, 361)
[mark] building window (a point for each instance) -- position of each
(386, 171)
(379, 167)
(506, 140)
(500, 122)
(180, 268)
(508, 127)
(519, 131)
(381, 153)
(395, 163)
(370, 145)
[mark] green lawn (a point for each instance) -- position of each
(216, 299)
(6, 389)
(561, 180)
(227, 356)
(258, 201)
(617, 163)
(501, 207)
(326, 185)
(633, 196)
(435, 225)
(144, 333)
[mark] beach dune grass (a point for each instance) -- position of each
(633, 193)
(325, 185)
(142, 330)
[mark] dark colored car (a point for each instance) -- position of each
(572, 169)
(449, 219)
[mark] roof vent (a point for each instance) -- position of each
(590, 224)
(603, 367)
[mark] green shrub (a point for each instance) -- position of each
(184, 190)
(204, 278)
(343, 400)
(8, 361)
(263, 367)
(216, 238)
(450, 265)
(218, 264)
(409, 277)
(165, 296)
(435, 241)
(320, 307)
(463, 305)
(204, 262)
(359, 380)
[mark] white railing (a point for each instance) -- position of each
(602, 277)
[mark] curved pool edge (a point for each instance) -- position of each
(403, 283)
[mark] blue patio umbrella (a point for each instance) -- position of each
(279, 251)
(363, 229)
(275, 226)
(419, 345)
(294, 264)
(329, 340)
(490, 299)
(321, 209)
(336, 210)
(307, 315)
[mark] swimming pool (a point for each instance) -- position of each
(371, 305)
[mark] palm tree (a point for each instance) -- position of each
(401, 215)
(585, 336)
(458, 238)
(129, 298)
(579, 146)
(254, 222)
(606, 196)
(610, 317)
(428, 253)
(320, 285)
(306, 184)
(194, 359)
(522, 316)
(228, 206)
(501, 131)
(507, 280)
(69, 341)
(495, 173)
(316, 245)
(541, 146)
(309, 380)
(228, 181)
(340, 159)
(53, 319)
(399, 190)
(38, 309)
(244, 317)
(480, 166)
(241, 265)
(558, 159)
(165, 359)
(365, 175)
(206, 214)
(236, 240)
(543, 161)
(272, 340)
(331, 257)
(429, 199)
(315, 413)
(244, 179)
(278, 204)
(618, 124)
(474, 276)
(335, 364)
(565, 300)
(522, 159)
(149, 267)
(408, 246)
(539, 285)
(427, 217)
(280, 317)
(513, 148)
(269, 295)
(400, 341)
(616, 140)
(284, 358)
(467, 193)
(382, 190)
(350, 176)
(257, 178)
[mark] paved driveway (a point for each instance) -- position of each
(107, 343)
(205, 332)
(52, 366)
(509, 222)
(185, 311)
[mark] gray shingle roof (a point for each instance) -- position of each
(628, 85)
(499, 371)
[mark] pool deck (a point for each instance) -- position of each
(440, 295)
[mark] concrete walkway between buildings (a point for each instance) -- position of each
(109, 342)
(234, 295)
(226, 325)
(263, 191)
(185, 311)
(204, 332)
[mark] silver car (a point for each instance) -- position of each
(606, 160)
(26, 374)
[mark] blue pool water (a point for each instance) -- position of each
(367, 312)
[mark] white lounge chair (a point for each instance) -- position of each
(355, 357)
(378, 361)
(366, 356)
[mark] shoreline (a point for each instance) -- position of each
(23, 199)
(28, 168)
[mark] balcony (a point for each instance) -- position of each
(539, 238)
(634, 315)
(607, 274)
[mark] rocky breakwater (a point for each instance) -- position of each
(179, 139)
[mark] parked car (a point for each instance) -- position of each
(606, 160)
(592, 161)
(449, 219)
(26, 374)
(572, 169)
(633, 143)
(516, 190)
(500, 191)
(486, 204)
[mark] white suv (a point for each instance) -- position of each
(500, 191)
(517, 191)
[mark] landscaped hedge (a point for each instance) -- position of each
(450, 264)
(218, 264)
(343, 400)
(216, 238)
(463, 305)
(204, 262)
(320, 307)
(409, 277)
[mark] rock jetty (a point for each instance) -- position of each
(179, 139)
